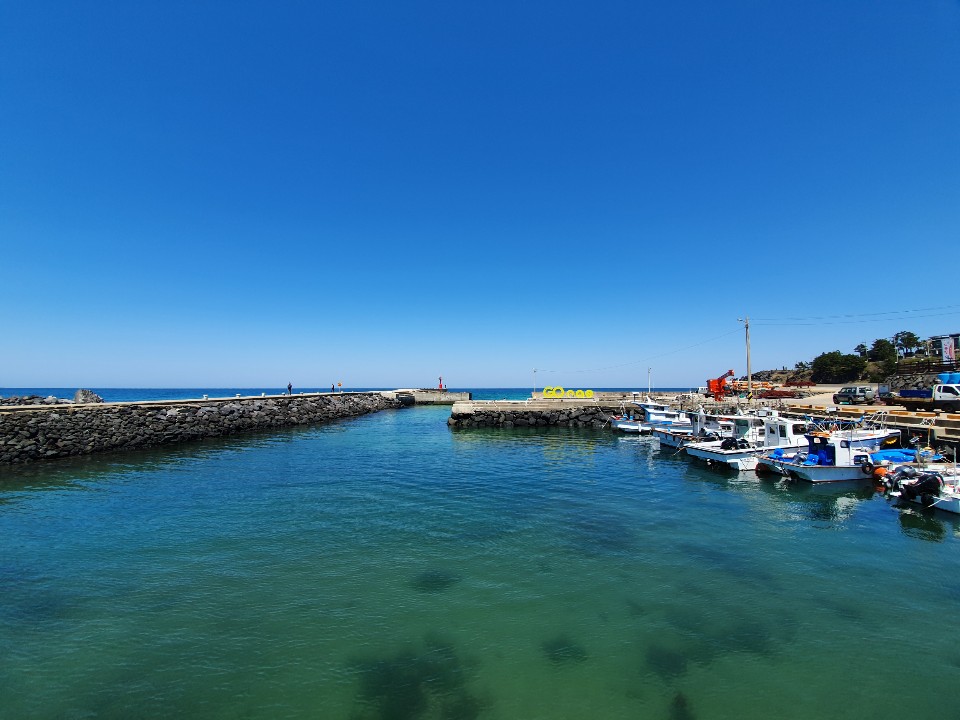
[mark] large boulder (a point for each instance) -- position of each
(86, 396)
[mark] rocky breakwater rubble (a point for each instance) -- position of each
(81, 396)
(498, 415)
(63, 430)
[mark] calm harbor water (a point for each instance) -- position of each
(388, 568)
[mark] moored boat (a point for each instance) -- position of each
(651, 415)
(839, 455)
(702, 427)
(754, 437)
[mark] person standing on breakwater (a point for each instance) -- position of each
(289, 388)
(333, 388)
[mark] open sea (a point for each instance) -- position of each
(386, 568)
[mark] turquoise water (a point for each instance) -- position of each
(386, 567)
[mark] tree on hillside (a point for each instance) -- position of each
(835, 367)
(861, 349)
(801, 366)
(881, 350)
(905, 342)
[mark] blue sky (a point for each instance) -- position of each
(241, 194)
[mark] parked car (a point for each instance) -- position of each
(854, 394)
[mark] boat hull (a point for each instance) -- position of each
(741, 460)
(824, 473)
(672, 438)
(627, 426)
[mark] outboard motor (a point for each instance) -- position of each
(728, 444)
(900, 474)
(926, 487)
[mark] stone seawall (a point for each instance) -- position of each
(37, 433)
(474, 415)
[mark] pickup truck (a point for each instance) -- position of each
(939, 397)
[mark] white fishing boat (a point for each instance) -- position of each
(626, 423)
(644, 416)
(748, 433)
(839, 455)
(754, 436)
(702, 427)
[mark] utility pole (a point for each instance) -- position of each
(746, 326)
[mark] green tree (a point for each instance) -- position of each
(905, 342)
(881, 350)
(801, 366)
(835, 367)
(861, 349)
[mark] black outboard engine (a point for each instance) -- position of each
(898, 475)
(728, 444)
(926, 487)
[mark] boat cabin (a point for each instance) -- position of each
(848, 448)
(780, 431)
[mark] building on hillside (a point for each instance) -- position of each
(935, 347)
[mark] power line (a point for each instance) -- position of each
(643, 360)
(862, 315)
(815, 321)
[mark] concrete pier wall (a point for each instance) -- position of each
(426, 396)
(29, 433)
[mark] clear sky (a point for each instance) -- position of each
(242, 194)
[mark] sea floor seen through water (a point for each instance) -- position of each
(387, 567)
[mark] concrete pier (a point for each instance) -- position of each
(435, 396)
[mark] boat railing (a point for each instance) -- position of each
(827, 425)
(875, 421)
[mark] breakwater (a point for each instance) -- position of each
(508, 414)
(29, 433)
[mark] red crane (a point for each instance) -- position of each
(719, 386)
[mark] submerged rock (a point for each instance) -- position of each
(680, 708)
(434, 581)
(666, 663)
(563, 649)
(427, 682)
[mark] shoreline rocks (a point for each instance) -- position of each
(34, 400)
(86, 396)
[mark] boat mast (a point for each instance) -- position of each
(648, 381)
